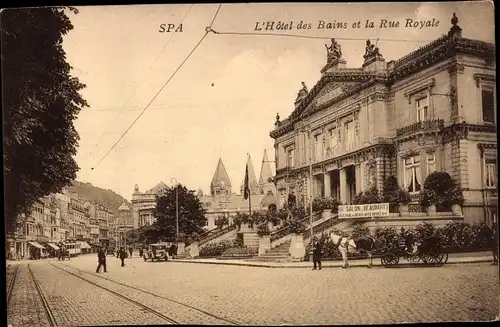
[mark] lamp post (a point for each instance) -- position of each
(176, 208)
(310, 186)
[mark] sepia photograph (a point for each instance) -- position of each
(250, 164)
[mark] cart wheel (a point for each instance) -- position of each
(445, 258)
(389, 259)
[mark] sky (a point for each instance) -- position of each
(223, 101)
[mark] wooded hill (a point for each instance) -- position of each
(91, 193)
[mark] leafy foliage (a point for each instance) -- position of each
(371, 195)
(217, 248)
(191, 213)
(40, 101)
(440, 188)
(239, 251)
(221, 221)
(296, 227)
(263, 229)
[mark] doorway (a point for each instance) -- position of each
(350, 172)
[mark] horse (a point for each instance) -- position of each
(363, 244)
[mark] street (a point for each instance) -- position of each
(170, 292)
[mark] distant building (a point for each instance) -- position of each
(221, 201)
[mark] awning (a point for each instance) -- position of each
(35, 244)
(55, 247)
(84, 245)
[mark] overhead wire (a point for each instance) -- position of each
(160, 90)
(146, 74)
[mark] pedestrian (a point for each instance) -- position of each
(101, 260)
(123, 255)
(317, 249)
(494, 242)
(130, 250)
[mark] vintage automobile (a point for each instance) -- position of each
(156, 252)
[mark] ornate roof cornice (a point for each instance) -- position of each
(438, 50)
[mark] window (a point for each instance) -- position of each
(422, 109)
(490, 170)
(431, 163)
(290, 154)
(333, 140)
(349, 132)
(412, 174)
(488, 104)
(318, 147)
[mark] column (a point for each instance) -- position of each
(327, 185)
(359, 178)
(343, 186)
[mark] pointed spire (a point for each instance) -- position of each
(220, 181)
(265, 183)
(252, 179)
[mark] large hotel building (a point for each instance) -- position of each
(433, 109)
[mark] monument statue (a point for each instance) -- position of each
(334, 51)
(371, 50)
(136, 188)
(303, 91)
(277, 119)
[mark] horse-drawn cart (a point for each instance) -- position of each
(429, 251)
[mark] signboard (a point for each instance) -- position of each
(364, 210)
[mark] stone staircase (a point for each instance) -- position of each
(251, 240)
(278, 254)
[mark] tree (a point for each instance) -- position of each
(40, 99)
(191, 213)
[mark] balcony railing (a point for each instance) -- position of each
(282, 232)
(322, 226)
(421, 126)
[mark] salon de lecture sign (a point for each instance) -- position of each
(364, 210)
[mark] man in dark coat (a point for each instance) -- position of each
(101, 259)
(130, 250)
(123, 255)
(494, 242)
(317, 249)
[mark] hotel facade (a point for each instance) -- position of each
(432, 110)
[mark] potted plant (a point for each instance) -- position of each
(264, 238)
(319, 204)
(403, 198)
(428, 199)
(238, 220)
(456, 199)
(333, 205)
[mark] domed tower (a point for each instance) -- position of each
(220, 185)
(125, 216)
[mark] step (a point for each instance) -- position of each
(279, 254)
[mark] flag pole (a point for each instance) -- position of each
(248, 186)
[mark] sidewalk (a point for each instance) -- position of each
(454, 258)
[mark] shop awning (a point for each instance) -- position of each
(84, 245)
(55, 247)
(35, 244)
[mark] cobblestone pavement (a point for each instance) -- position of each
(73, 302)
(25, 307)
(468, 292)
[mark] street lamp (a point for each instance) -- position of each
(176, 207)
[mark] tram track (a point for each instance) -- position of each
(46, 307)
(11, 283)
(170, 300)
(126, 298)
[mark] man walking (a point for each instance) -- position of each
(101, 259)
(123, 255)
(494, 242)
(317, 249)
(130, 250)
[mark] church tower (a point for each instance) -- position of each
(265, 179)
(221, 185)
(252, 179)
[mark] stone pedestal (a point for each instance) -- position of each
(297, 249)
(327, 213)
(456, 209)
(194, 249)
(431, 210)
(264, 244)
(181, 247)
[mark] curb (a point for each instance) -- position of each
(355, 265)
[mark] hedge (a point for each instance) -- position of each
(457, 237)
